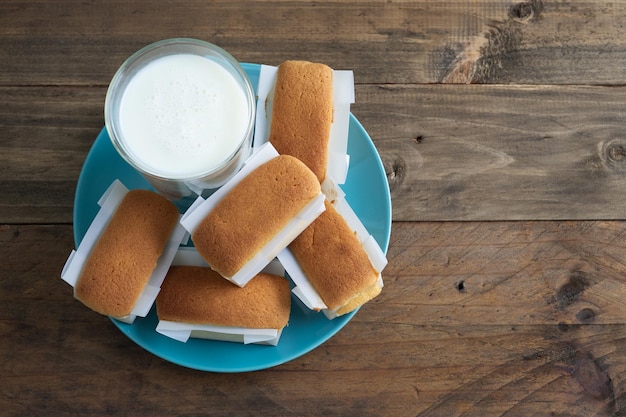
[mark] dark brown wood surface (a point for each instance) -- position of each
(500, 126)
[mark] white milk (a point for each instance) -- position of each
(182, 115)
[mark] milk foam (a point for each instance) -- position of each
(182, 115)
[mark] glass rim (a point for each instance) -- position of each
(168, 47)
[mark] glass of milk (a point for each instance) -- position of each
(181, 112)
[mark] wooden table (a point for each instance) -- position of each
(501, 129)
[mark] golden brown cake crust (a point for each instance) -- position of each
(335, 262)
(251, 214)
(302, 113)
(126, 253)
(199, 295)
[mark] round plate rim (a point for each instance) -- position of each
(340, 321)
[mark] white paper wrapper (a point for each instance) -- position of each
(201, 208)
(343, 97)
(108, 203)
(303, 289)
(183, 331)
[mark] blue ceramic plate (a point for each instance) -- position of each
(367, 192)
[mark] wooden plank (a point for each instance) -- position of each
(46, 134)
(450, 152)
(545, 42)
(486, 41)
(453, 273)
(393, 41)
(397, 357)
(499, 152)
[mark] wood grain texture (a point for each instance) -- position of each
(499, 124)
(535, 329)
(508, 273)
(449, 152)
(45, 136)
(487, 41)
(499, 152)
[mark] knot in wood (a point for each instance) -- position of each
(569, 292)
(613, 155)
(525, 11)
(586, 315)
(395, 171)
(616, 153)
